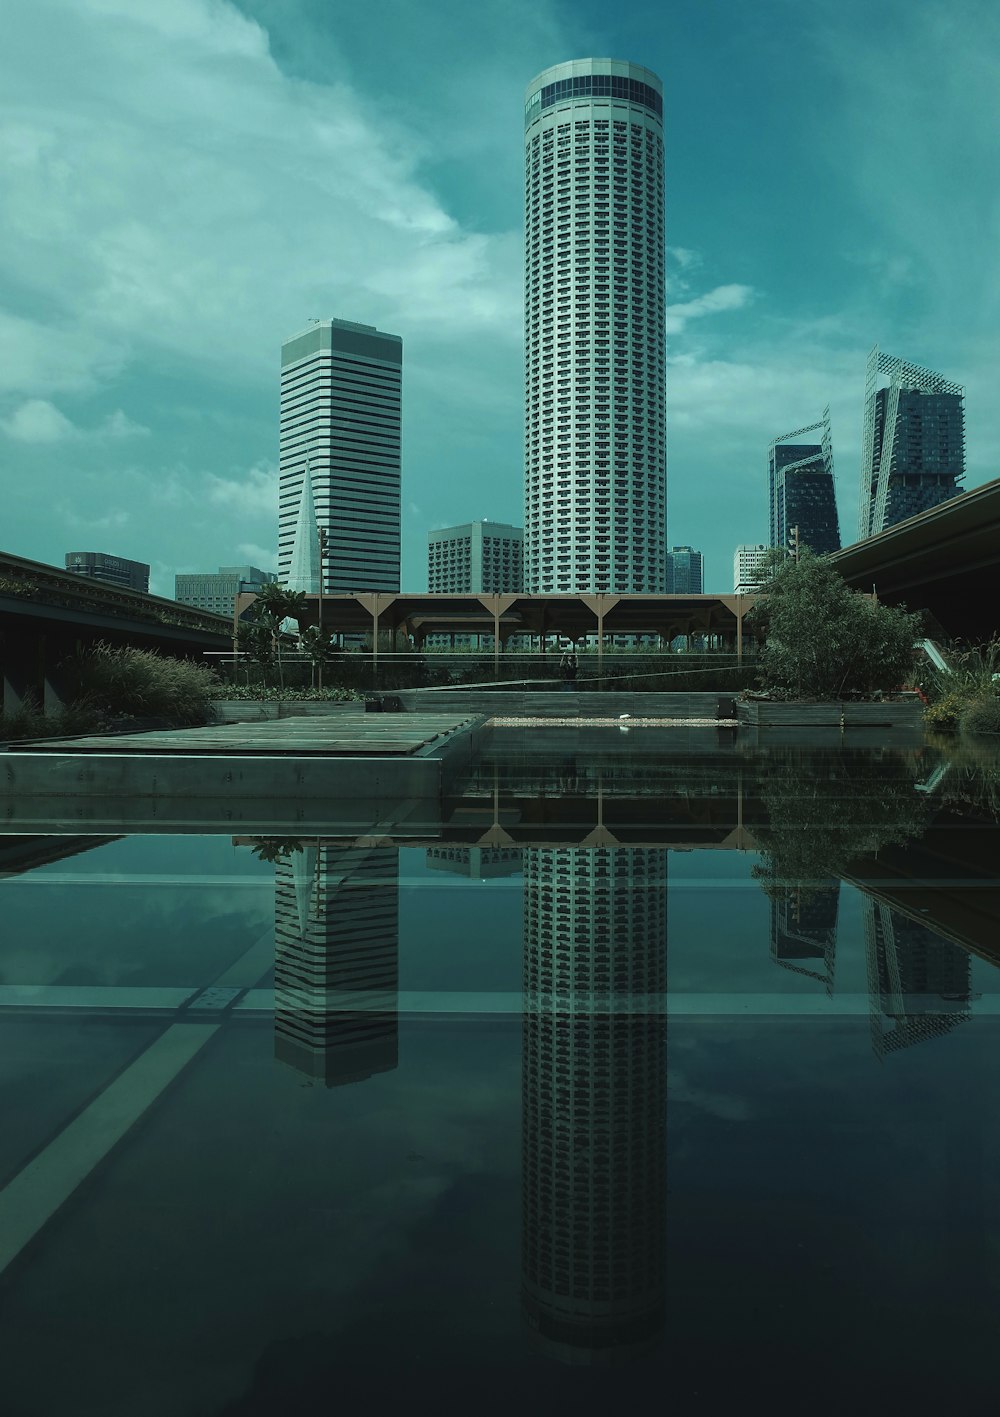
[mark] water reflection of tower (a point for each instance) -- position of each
(336, 965)
(804, 932)
(918, 982)
(594, 1100)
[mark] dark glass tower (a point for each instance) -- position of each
(913, 449)
(801, 490)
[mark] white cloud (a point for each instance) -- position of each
(258, 556)
(252, 495)
(723, 298)
(38, 421)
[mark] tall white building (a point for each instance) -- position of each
(595, 463)
(748, 567)
(341, 406)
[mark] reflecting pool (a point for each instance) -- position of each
(642, 1074)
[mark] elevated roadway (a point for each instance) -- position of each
(47, 614)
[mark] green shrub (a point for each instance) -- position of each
(823, 640)
(271, 693)
(943, 715)
(981, 715)
(119, 680)
(30, 722)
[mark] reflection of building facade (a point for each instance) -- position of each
(594, 1100)
(475, 861)
(804, 933)
(918, 982)
(336, 966)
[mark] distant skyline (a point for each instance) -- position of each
(187, 181)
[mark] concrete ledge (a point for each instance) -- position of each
(259, 711)
(564, 703)
(892, 713)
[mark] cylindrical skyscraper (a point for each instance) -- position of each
(595, 465)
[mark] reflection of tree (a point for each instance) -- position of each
(275, 848)
(822, 815)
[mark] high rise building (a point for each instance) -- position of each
(340, 419)
(595, 468)
(804, 932)
(748, 567)
(336, 960)
(114, 570)
(477, 556)
(218, 592)
(801, 490)
(685, 571)
(913, 442)
(594, 1077)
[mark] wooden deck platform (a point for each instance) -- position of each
(354, 734)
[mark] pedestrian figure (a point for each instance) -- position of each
(567, 668)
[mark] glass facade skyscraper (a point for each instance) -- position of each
(341, 389)
(913, 442)
(595, 472)
(685, 571)
(801, 490)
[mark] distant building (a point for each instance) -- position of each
(115, 570)
(340, 458)
(218, 592)
(748, 562)
(913, 443)
(685, 571)
(477, 556)
(801, 490)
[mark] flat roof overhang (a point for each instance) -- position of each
(946, 561)
(571, 616)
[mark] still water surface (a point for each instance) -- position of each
(294, 1122)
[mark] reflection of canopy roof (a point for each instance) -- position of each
(570, 615)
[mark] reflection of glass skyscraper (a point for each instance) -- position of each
(804, 933)
(594, 1100)
(918, 982)
(336, 926)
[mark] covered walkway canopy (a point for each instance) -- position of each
(573, 617)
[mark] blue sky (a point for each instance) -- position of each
(187, 182)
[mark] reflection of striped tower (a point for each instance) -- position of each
(336, 926)
(594, 1100)
(918, 982)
